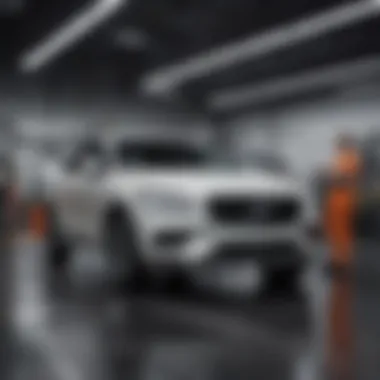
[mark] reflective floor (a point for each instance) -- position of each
(76, 328)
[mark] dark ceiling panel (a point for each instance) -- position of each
(43, 16)
(10, 7)
(194, 27)
(174, 29)
(350, 43)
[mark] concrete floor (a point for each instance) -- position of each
(77, 329)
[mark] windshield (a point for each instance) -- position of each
(160, 154)
(163, 154)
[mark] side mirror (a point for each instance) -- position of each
(93, 167)
(71, 165)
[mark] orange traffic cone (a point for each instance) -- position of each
(11, 209)
(38, 221)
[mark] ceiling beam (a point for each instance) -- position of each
(258, 45)
(69, 34)
(328, 76)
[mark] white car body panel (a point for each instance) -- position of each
(81, 202)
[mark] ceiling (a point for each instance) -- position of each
(150, 34)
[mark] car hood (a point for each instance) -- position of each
(208, 182)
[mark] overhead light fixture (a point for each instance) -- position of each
(131, 39)
(327, 76)
(70, 33)
(259, 45)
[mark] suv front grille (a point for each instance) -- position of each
(270, 255)
(249, 210)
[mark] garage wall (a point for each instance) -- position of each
(161, 122)
(257, 131)
(35, 117)
(305, 134)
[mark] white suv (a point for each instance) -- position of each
(164, 206)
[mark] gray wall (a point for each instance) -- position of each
(305, 134)
(258, 131)
(37, 116)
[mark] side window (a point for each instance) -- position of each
(73, 160)
(87, 154)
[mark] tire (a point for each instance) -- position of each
(173, 282)
(122, 255)
(58, 250)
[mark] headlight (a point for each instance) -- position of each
(165, 202)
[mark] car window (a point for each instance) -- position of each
(88, 151)
(159, 154)
(168, 154)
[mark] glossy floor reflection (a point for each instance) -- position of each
(77, 329)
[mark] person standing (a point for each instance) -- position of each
(342, 202)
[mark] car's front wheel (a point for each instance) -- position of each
(122, 254)
(57, 248)
(288, 280)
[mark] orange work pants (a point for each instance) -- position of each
(339, 224)
(341, 335)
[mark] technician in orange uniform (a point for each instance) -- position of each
(341, 202)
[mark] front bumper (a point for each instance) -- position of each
(273, 247)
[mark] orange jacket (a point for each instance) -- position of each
(345, 173)
(340, 207)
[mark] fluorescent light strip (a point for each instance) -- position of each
(332, 75)
(69, 33)
(259, 45)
